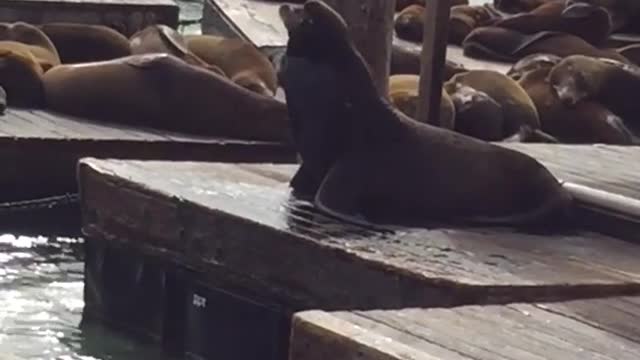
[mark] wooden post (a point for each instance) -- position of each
(371, 25)
(434, 52)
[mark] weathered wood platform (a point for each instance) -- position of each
(39, 150)
(258, 22)
(126, 16)
(592, 329)
(239, 220)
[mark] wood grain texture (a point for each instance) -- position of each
(242, 218)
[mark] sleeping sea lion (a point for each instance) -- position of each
(243, 63)
(500, 44)
(20, 75)
(77, 43)
(404, 91)
(161, 39)
(477, 114)
(530, 63)
(162, 91)
(611, 83)
(387, 168)
(517, 107)
(42, 48)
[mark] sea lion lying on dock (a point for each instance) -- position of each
(477, 114)
(385, 167)
(78, 43)
(21, 75)
(41, 46)
(162, 91)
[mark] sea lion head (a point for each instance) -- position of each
(575, 78)
(531, 63)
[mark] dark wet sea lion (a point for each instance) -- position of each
(517, 107)
(532, 62)
(42, 49)
(388, 168)
(613, 84)
(477, 114)
(403, 94)
(243, 63)
(20, 75)
(77, 43)
(162, 91)
(500, 44)
(517, 6)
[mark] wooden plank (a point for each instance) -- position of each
(515, 331)
(241, 219)
(40, 150)
(258, 22)
(126, 16)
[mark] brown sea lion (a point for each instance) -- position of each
(77, 43)
(590, 23)
(517, 107)
(477, 114)
(161, 39)
(385, 171)
(464, 19)
(500, 44)
(162, 91)
(243, 63)
(42, 49)
(611, 83)
(585, 122)
(517, 6)
(409, 24)
(530, 63)
(20, 75)
(403, 94)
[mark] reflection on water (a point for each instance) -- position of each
(41, 305)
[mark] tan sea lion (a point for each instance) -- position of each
(530, 63)
(403, 94)
(517, 107)
(243, 63)
(500, 44)
(77, 43)
(392, 169)
(20, 75)
(162, 91)
(42, 49)
(613, 84)
(161, 39)
(477, 114)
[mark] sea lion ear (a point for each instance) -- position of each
(320, 12)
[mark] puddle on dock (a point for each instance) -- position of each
(41, 286)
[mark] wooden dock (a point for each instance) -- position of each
(39, 150)
(126, 16)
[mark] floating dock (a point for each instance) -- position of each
(235, 230)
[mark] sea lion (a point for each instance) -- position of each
(20, 75)
(611, 83)
(501, 44)
(476, 113)
(3, 100)
(78, 43)
(243, 63)
(530, 63)
(162, 91)
(517, 107)
(406, 60)
(623, 12)
(387, 167)
(161, 39)
(404, 91)
(585, 122)
(409, 24)
(464, 19)
(517, 6)
(590, 23)
(42, 48)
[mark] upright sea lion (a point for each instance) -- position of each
(161, 39)
(42, 49)
(477, 114)
(20, 75)
(404, 91)
(517, 107)
(532, 62)
(78, 43)
(243, 63)
(162, 91)
(387, 167)
(610, 83)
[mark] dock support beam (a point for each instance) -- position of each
(434, 53)
(371, 26)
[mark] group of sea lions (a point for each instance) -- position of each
(199, 84)
(568, 83)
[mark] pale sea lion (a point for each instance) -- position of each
(42, 49)
(20, 75)
(403, 94)
(162, 91)
(392, 169)
(77, 43)
(243, 63)
(477, 114)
